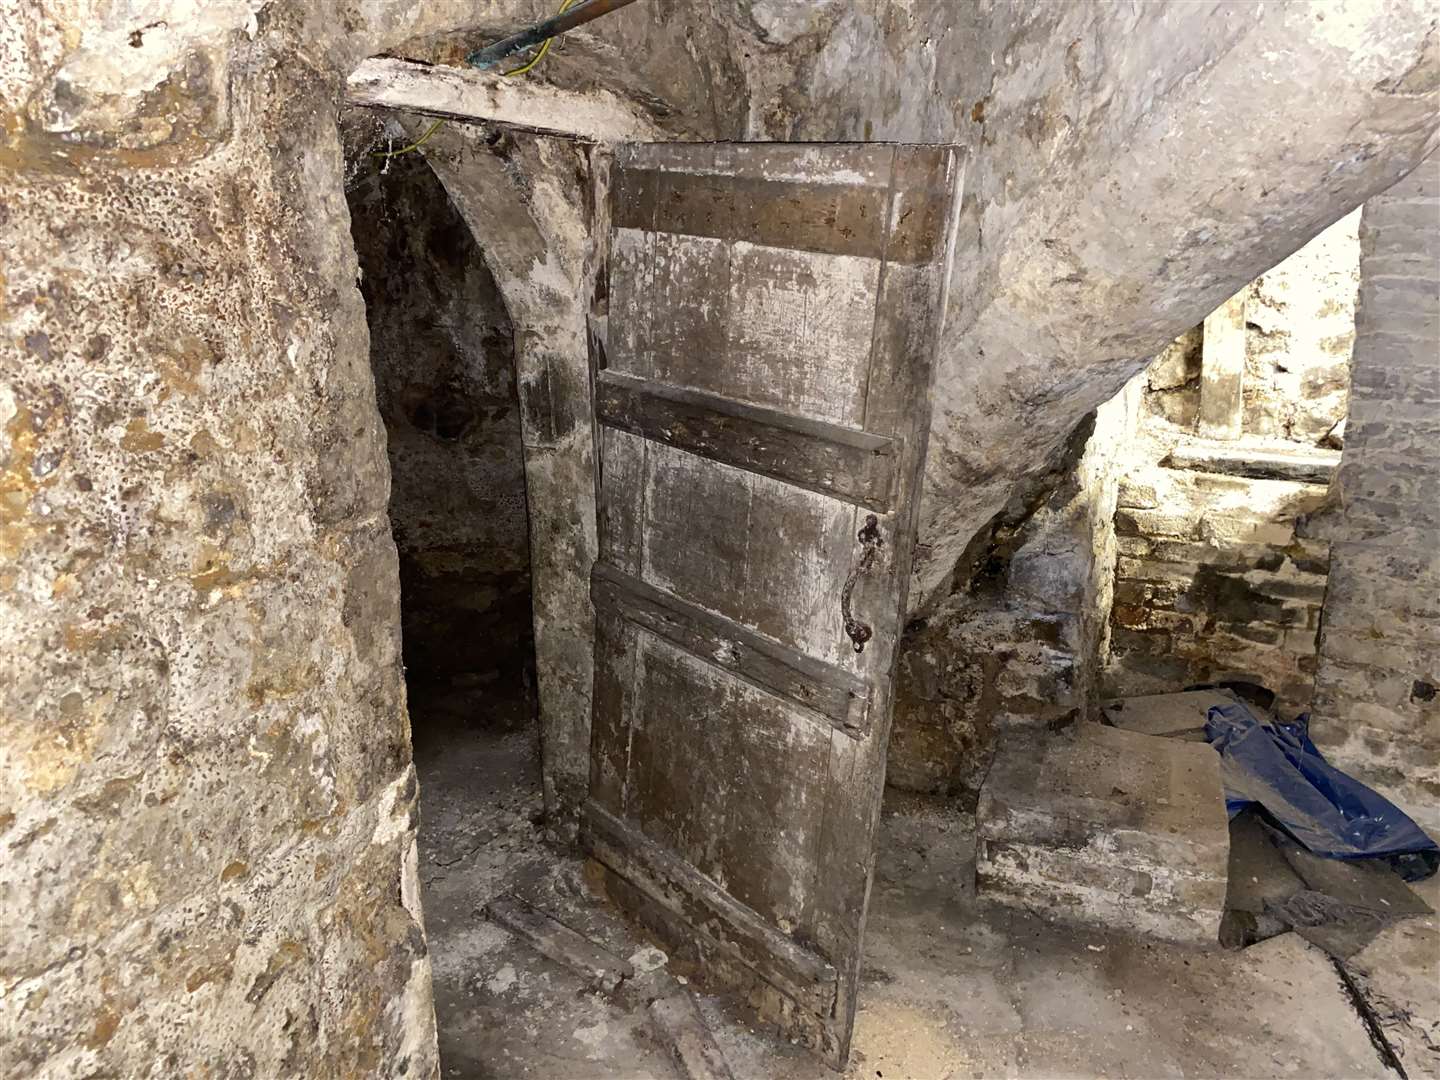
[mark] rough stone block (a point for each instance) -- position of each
(1134, 547)
(1108, 827)
(1288, 586)
(1145, 642)
(1300, 642)
(1230, 655)
(1137, 495)
(1302, 467)
(1233, 556)
(1181, 715)
(1263, 635)
(1131, 592)
(1241, 529)
(1139, 617)
(1130, 569)
(1036, 672)
(1164, 522)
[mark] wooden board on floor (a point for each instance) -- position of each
(691, 1043)
(553, 939)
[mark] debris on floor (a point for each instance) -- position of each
(692, 1045)
(671, 1006)
(1396, 976)
(1120, 826)
(953, 987)
(1276, 885)
(549, 937)
(1345, 903)
(1259, 880)
(1311, 849)
(1107, 827)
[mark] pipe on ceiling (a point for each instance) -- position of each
(580, 14)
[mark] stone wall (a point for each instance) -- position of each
(1211, 582)
(1018, 647)
(442, 351)
(1377, 706)
(207, 803)
(1300, 326)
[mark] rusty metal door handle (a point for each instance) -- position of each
(870, 542)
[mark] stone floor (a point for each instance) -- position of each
(953, 987)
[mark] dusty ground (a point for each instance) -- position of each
(954, 987)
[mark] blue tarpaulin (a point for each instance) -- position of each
(1276, 765)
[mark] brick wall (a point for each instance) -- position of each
(1377, 707)
(1211, 582)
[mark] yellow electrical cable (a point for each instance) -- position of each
(413, 146)
(544, 47)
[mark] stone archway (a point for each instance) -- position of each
(442, 351)
(529, 202)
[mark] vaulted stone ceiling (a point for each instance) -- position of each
(1129, 165)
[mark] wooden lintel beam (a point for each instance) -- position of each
(1222, 371)
(469, 95)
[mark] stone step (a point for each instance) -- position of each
(1110, 828)
(1178, 716)
(1312, 466)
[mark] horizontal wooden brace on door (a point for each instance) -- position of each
(856, 466)
(838, 696)
(831, 219)
(729, 924)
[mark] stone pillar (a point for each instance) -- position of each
(207, 803)
(1222, 371)
(1377, 687)
(530, 205)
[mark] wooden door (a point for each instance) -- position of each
(762, 412)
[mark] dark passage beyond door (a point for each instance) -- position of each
(774, 310)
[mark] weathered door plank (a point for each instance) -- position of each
(713, 912)
(762, 417)
(767, 555)
(852, 465)
(839, 696)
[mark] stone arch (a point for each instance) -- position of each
(528, 201)
(442, 354)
